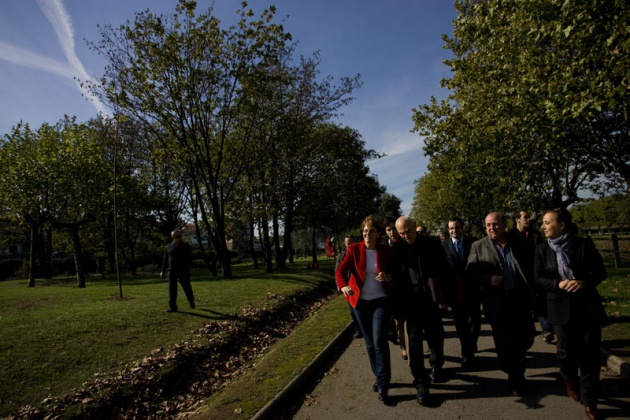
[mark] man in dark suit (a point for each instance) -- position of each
(496, 263)
(178, 256)
(421, 262)
(467, 304)
(522, 230)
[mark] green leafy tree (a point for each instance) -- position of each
(81, 182)
(186, 79)
(26, 182)
(535, 110)
(341, 192)
(389, 206)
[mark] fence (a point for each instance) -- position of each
(614, 247)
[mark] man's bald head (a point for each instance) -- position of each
(406, 229)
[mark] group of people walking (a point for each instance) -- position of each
(513, 275)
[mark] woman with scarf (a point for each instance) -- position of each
(570, 268)
(365, 277)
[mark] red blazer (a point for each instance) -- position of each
(351, 271)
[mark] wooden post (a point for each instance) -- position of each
(615, 245)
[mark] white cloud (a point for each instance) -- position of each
(32, 60)
(59, 18)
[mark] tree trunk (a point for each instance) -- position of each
(33, 248)
(314, 247)
(267, 246)
(110, 244)
(287, 249)
(47, 254)
(252, 249)
(78, 255)
(211, 263)
(280, 258)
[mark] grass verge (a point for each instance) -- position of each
(265, 377)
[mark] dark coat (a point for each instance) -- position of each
(484, 262)
(587, 265)
(433, 275)
(467, 289)
(177, 257)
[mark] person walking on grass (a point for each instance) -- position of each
(177, 259)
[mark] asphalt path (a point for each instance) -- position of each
(343, 388)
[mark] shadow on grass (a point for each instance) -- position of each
(215, 316)
(618, 320)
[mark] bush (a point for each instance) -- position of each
(62, 265)
(9, 266)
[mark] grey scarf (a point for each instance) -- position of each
(561, 246)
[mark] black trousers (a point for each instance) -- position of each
(578, 350)
(184, 279)
(467, 318)
(424, 320)
(513, 332)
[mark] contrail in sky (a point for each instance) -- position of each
(58, 17)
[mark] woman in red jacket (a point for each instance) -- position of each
(364, 277)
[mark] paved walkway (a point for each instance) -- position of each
(344, 392)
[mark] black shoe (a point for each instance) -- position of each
(358, 335)
(192, 305)
(171, 310)
(516, 385)
(468, 361)
(437, 376)
(423, 395)
(375, 387)
(382, 395)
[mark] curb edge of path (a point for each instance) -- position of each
(616, 364)
(323, 355)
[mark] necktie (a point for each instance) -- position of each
(460, 250)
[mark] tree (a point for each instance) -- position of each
(535, 107)
(81, 182)
(186, 80)
(341, 191)
(389, 206)
(26, 183)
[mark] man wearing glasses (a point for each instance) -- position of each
(177, 259)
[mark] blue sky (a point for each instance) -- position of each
(395, 46)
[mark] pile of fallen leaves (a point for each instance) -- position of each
(174, 382)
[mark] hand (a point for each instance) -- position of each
(162, 275)
(572, 285)
(496, 280)
(383, 277)
(347, 291)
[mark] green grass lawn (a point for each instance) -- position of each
(615, 291)
(55, 336)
